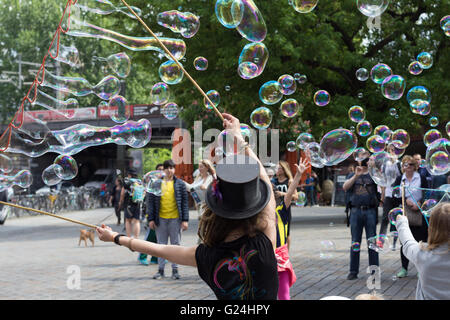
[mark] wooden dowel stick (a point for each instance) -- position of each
(403, 199)
(176, 61)
(49, 214)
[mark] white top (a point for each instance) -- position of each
(198, 182)
(432, 266)
(413, 184)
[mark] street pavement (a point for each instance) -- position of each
(40, 259)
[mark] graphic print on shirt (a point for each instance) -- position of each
(239, 265)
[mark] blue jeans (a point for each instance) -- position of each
(360, 219)
(310, 197)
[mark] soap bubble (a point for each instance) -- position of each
(362, 74)
(321, 98)
(304, 139)
(394, 151)
(447, 128)
(185, 23)
(337, 145)
(400, 138)
(51, 175)
(364, 128)
(356, 114)
(316, 155)
(356, 246)
(120, 109)
(153, 182)
(360, 154)
(304, 6)
(445, 25)
(288, 84)
(414, 68)
(301, 201)
(380, 72)
(23, 178)
(382, 168)
(289, 108)
(372, 8)
(393, 112)
(425, 60)
(437, 157)
(270, 92)
(120, 63)
(393, 214)
(170, 111)
(68, 165)
(6, 164)
(383, 131)
(229, 12)
(261, 118)
(393, 87)
(201, 63)
(252, 26)
(302, 79)
(379, 243)
(427, 206)
(360, 95)
(227, 88)
(214, 96)
(252, 60)
(291, 146)
(419, 98)
(159, 94)
(170, 72)
(434, 122)
(431, 136)
(375, 144)
(327, 249)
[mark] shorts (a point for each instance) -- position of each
(132, 212)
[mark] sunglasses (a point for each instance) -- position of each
(406, 165)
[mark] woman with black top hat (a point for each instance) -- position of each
(237, 256)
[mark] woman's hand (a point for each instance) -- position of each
(232, 125)
(302, 165)
(105, 233)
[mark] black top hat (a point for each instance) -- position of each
(238, 192)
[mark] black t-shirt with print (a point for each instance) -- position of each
(364, 191)
(243, 269)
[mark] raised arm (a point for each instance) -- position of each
(177, 254)
(292, 190)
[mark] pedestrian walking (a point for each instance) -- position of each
(363, 214)
(115, 199)
(131, 206)
(432, 260)
(168, 214)
(237, 258)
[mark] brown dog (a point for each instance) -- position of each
(86, 234)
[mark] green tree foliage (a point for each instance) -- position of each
(154, 156)
(328, 45)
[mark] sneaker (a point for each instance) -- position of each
(403, 273)
(159, 275)
(175, 274)
(143, 261)
(153, 262)
(352, 276)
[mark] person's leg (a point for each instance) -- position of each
(152, 238)
(387, 206)
(143, 256)
(175, 238)
(356, 227)
(136, 227)
(128, 227)
(371, 231)
(283, 285)
(117, 211)
(162, 235)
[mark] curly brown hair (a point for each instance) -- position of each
(213, 229)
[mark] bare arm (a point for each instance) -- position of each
(177, 254)
(301, 167)
(349, 183)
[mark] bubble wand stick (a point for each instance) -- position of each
(176, 61)
(403, 198)
(49, 214)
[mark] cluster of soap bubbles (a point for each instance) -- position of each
(63, 168)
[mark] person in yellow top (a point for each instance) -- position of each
(168, 214)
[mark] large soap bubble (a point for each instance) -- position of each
(51, 175)
(380, 72)
(393, 87)
(69, 167)
(437, 157)
(170, 72)
(372, 8)
(375, 144)
(252, 60)
(185, 23)
(337, 145)
(304, 6)
(356, 114)
(304, 139)
(270, 92)
(229, 12)
(159, 94)
(261, 118)
(289, 108)
(120, 109)
(419, 98)
(252, 26)
(170, 110)
(214, 96)
(383, 168)
(288, 84)
(400, 138)
(360, 154)
(431, 136)
(316, 155)
(153, 181)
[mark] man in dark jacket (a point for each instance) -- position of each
(168, 214)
